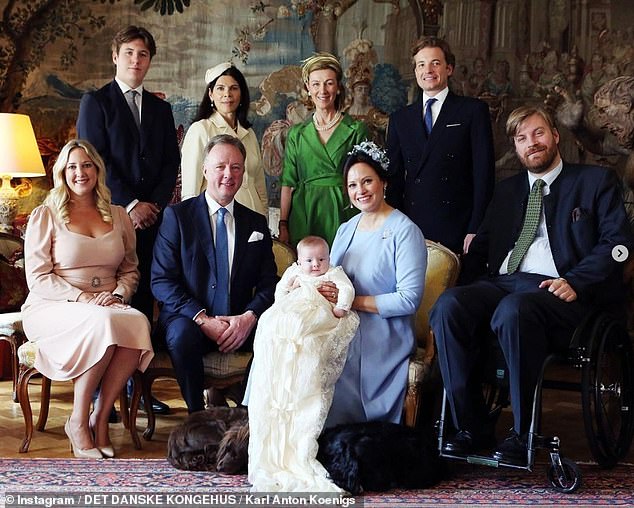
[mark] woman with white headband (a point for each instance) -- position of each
(223, 110)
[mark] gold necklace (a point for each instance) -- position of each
(329, 125)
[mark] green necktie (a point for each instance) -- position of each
(531, 221)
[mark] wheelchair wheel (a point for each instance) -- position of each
(566, 477)
(607, 393)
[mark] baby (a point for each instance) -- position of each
(313, 267)
(300, 348)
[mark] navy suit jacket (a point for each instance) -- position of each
(140, 163)
(442, 182)
(585, 220)
(184, 266)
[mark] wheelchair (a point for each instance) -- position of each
(601, 349)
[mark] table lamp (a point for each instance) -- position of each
(19, 158)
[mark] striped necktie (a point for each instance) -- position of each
(531, 221)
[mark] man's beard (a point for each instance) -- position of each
(547, 157)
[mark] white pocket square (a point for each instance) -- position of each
(454, 124)
(256, 236)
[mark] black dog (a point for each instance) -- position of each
(212, 440)
(378, 456)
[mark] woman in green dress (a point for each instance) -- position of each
(312, 200)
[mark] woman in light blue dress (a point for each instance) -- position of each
(384, 254)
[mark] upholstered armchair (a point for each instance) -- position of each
(13, 291)
(221, 370)
(443, 267)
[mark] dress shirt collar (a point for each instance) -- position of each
(440, 98)
(213, 206)
(548, 178)
(125, 88)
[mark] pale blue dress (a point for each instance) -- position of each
(389, 264)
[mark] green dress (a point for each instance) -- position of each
(314, 171)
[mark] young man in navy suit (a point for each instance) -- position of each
(531, 290)
(187, 273)
(139, 147)
(441, 153)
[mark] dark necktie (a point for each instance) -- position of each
(221, 297)
(429, 119)
(130, 97)
(531, 221)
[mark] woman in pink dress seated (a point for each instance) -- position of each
(81, 269)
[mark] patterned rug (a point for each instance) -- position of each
(159, 483)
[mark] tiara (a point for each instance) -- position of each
(372, 150)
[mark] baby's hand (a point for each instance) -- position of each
(339, 312)
(295, 283)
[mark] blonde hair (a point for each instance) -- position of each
(58, 198)
(520, 114)
(312, 241)
(321, 61)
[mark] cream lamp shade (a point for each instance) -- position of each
(19, 157)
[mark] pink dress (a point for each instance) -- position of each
(72, 336)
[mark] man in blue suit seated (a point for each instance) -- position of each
(213, 272)
(541, 260)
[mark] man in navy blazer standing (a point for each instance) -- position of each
(186, 272)
(531, 290)
(139, 147)
(141, 154)
(441, 153)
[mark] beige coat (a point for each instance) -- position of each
(253, 191)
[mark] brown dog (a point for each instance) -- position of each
(212, 440)
(233, 452)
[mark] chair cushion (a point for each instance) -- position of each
(10, 323)
(217, 365)
(442, 270)
(26, 353)
(221, 365)
(284, 256)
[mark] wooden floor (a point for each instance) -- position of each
(53, 443)
(561, 416)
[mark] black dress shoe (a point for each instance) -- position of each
(460, 444)
(158, 407)
(513, 450)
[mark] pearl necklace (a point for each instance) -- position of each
(329, 125)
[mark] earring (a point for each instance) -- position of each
(384, 191)
(308, 94)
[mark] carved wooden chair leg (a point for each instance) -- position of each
(146, 385)
(15, 368)
(124, 408)
(26, 374)
(14, 340)
(134, 409)
(45, 400)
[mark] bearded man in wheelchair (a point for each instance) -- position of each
(551, 249)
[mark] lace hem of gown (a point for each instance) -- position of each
(299, 352)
